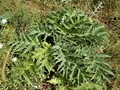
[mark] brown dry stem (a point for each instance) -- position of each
(4, 65)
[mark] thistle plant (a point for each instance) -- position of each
(66, 43)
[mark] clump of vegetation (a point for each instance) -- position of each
(65, 49)
(64, 43)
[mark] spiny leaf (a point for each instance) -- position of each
(55, 81)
